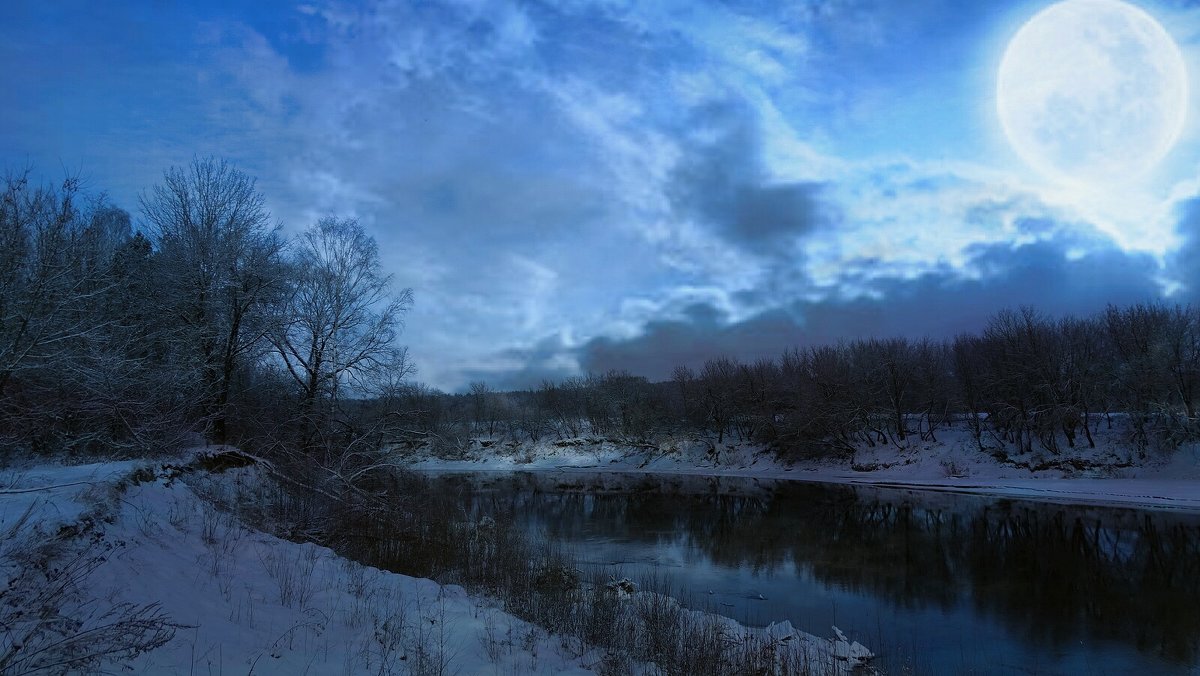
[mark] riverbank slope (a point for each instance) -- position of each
(1111, 473)
(147, 566)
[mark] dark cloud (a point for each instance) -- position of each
(666, 344)
(544, 361)
(719, 182)
(936, 305)
(1184, 264)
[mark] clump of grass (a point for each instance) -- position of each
(293, 575)
(47, 625)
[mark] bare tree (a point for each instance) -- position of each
(340, 319)
(718, 378)
(890, 373)
(684, 379)
(485, 408)
(48, 275)
(219, 256)
(933, 384)
(1158, 374)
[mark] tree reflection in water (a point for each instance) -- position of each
(1052, 574)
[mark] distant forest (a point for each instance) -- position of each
(1027, 381)
(210, 324)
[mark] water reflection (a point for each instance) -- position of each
(1047, 588)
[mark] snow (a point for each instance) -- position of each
(1110, 474)
(248, 602)
(54, 493)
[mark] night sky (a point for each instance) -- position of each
(579, 186)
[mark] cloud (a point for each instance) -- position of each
(720, 181)
(644, 182)
(701, 334)
(936, 305)
(1183, 266)
(524, 368)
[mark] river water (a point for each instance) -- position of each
(933, 582)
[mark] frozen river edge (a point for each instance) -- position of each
(1108, 475)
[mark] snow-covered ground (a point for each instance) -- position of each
(236, 600)
(1110, 474)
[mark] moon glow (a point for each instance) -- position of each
(1092, 92)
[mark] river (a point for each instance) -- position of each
(933, 582)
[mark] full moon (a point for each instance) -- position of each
(1092, 92)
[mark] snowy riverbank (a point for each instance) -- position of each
(157, 579)
(1110, 474)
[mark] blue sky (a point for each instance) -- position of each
(599, 184)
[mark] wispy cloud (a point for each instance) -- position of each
(610, 184)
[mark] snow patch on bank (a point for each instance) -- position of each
(1112, 473)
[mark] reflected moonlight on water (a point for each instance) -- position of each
(1092, 92)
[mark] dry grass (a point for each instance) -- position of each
(48, 625)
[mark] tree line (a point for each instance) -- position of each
(205, 322)
(1025, 382)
